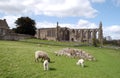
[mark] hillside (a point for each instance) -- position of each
(17, 61)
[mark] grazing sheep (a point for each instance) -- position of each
(80, 62)
(42, 55)
(46, 65)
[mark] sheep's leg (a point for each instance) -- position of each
(47, 67)
(82, 64)
(36, 60)
(41, 59)
(44, 67)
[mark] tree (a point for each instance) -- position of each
(25, 25)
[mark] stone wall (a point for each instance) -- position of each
(67, 34)
(47, 33)
(7, 34)
(14, 36)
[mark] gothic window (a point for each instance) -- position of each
(90, 35)
(48, 33)
(0, 31)
(51, 33)
(4, 32)
(73, 31)
(84, 34)
(72, 39)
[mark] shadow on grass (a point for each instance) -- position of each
(52, 69)
(85, 66)
(52, 61)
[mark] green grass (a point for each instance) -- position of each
(17, 61)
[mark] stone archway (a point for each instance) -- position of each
(67, 34)
(72, 39)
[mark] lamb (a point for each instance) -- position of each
(45, 65)
(42, 55)
(80, 62)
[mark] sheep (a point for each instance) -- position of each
(46, 65)
(80, 62)
(42, 55)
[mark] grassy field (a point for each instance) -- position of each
(17, 61)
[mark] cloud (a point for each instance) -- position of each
(116, 2)
(80, 25)
(66, 8)
(59, 8)
(11, 7)
(10, 20)
(86, 24)
(113, 31)
(46, 24)
(97, 1)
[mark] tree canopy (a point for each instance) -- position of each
(25, 25)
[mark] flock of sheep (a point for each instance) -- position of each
(82, 55)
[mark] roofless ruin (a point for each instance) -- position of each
(66, 34)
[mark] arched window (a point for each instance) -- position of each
(72, 39)
(73, 31)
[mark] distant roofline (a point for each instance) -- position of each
(3, 24)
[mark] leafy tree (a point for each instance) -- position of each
(25, 25)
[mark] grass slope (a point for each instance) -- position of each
(17, 61)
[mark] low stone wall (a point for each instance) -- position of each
(75, 53)
(15, 36)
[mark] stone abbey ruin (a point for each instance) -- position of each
(58, 34)
(7, 34)
(67, 34)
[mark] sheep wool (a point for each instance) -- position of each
(45, 65)
(80, 62)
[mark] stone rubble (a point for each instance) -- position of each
(75, 53)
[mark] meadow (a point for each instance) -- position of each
(17, 60)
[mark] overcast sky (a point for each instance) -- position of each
(69, 13)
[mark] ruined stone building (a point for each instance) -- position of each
(8, 34)
(4, 28)
(67, 34)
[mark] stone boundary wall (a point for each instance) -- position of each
(14, 36)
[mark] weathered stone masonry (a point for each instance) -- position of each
(67, 34)
(8, 34)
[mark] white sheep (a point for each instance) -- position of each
(46, 65)
(42, 55)
(80, 62)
